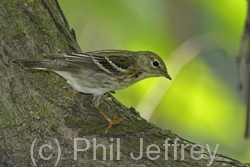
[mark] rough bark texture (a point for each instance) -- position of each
(39, 105)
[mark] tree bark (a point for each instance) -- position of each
(38, 107)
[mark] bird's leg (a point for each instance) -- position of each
(111, 122)
(105, 116)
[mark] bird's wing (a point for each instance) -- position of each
(110, 62)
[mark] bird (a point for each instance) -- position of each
(101, 71)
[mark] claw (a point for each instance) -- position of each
(114, 122)
(76, 93)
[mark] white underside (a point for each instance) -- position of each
(82, 88)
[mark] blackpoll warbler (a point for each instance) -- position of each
(102, 71)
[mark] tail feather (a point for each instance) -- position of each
(39, 64)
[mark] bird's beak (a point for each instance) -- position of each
(167, 76)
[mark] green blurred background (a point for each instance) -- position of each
(198, 39)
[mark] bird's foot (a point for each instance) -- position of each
(76, 94)
(114, 122)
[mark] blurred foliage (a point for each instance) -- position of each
(201, 103)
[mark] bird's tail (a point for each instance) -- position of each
(39, 64)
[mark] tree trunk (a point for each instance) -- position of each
(43, 124)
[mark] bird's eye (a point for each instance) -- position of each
(155, 63)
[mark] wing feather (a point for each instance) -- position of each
(110, 61)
